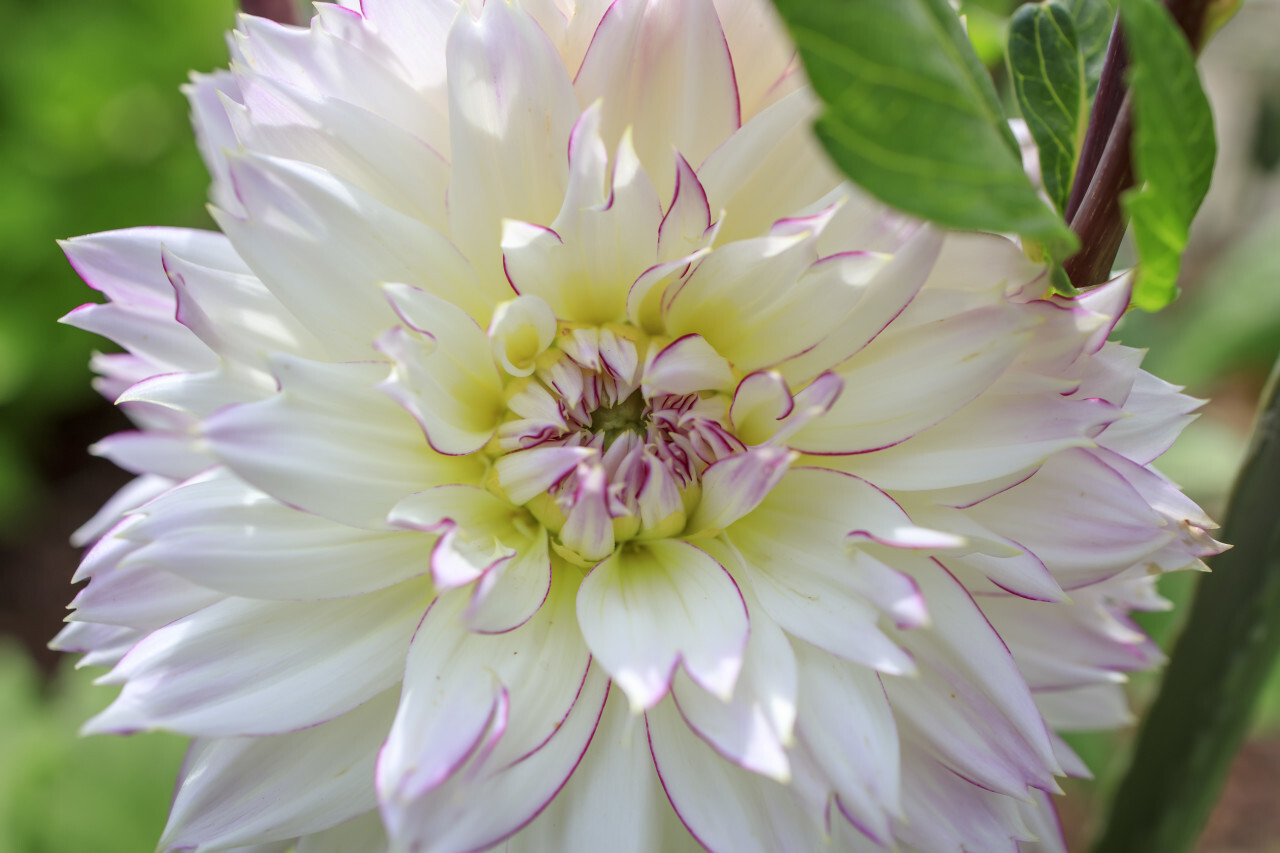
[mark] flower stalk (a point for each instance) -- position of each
(1106, 162)
(280, 11)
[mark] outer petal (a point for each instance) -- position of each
(651, 607)
(323, 246)
(332, 444)
(251, 790)
(770, 169)
(613, 800)
(1078, 515)
(511, 108)
(969, 706)
(847, 725)
(910, 380)
(227, 536)
(754, 727)
(662, 67)
(211, 673)
(458, 816)
(729, 810)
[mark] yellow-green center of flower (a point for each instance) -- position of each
(607, 438)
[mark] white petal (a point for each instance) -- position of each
(948, 812)
(459, 816)
(206, 94)
(444, 377)
(773, 167)
(663, 68)
(995, 737)
(252, 790)
(333, 444)
(736, 485)
(234, 313)
(323, 247)
(613, 800)
(686, 226)
(139, 597)
(995, 436)
(745, 300)
(905, 382)
(881, 288)
(511, 109)
(1079, 516)
(168, 454)
(729, 810)
(230, 537)
(654, 606)
(354, 143)
(754, 727)
(686, 366)
(213, 673)
(520, 331)
(484, 539)
(847, 725)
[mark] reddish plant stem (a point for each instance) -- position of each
(1102, 117)
(1105, 170)
(280, 11)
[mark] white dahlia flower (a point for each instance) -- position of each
(553, 453)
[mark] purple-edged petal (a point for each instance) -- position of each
(445, 376)
(484, 540)
(654, 606)
(227, 536)
(727, 809)
(372, 450)
(754, 728)
(212, 673)
(736, 485)
(511, 109)
(686, 366)
(995, 737)
(613, 801)
(1082, 518)
(252, 790)
(948, 362)
(640, 62)
(486, 719)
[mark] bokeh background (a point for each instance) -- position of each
(94, 136)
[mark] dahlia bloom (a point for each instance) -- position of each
(552, 452)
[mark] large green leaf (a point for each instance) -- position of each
(1219, 666)
(1173, 146)
(1047, 69)
(913, 118)
(1092, 19)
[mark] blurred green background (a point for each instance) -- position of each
(94, 136)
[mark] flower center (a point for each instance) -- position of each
(613, 421)
(608, 439)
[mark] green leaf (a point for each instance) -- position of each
(1047, 70)
(1219, 666)
(1092, 19)
(913, 118)
(1173, 147)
